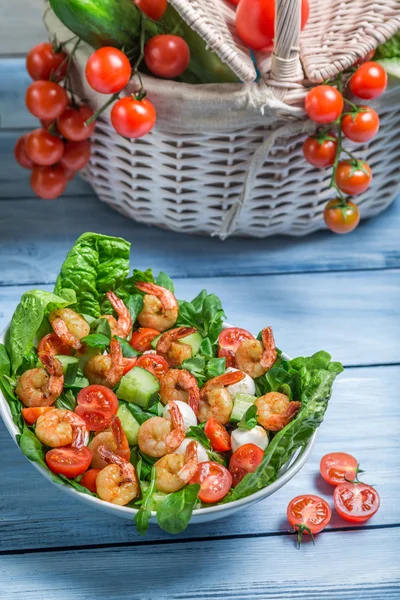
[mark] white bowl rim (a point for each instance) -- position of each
(290, 472)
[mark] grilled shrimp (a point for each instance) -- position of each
(158, 436)
(114, 440)
(58, 427)
(117, 482)
(171, 349)
(160, 310)
(215, 399)
(106, 369)
(41, 386)
(275, 411)
(69, 326)
(174, 471)
(123, 326)
(256, 358)
(179, 384)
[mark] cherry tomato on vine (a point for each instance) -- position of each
(167, 55)
(133, 118)
(71, 124)
(308, 514)
(353, 179)
(361, 126)
(42, 62)
(89, 480)
(365, 58)
(255, 22)
(141, 338)
(154, 9)
(43, 148)
(369, 81)
(244, 460)
(233, 2)
(154, 364)
(108, 70)
(356, 502)
(229, 341)
(320, 152)
(69, 173)
(341, 219)
(52, 344)
(324, 104)
(218, 435)
(214, 479)
(48, 182)
(334, 467)
(69, 461)
(20, 153)
(46, 99)
(76, 155)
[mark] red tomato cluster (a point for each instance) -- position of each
(325, 104)
(60, 148)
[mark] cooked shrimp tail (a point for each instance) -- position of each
(106, 369)
(191, 462)
(117, 482)
(123, 326)
(78, 429)
(160, 307)
(179, 384)
(269, 355)
(58, 427)
(125, 466)
(69, 326)
(225, 379)
(120, 438)
(177, 435)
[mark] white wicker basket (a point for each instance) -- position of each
(227, 159)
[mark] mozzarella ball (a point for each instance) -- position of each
(257, 436)
(149, 352)
(201, 451)
(246, 386)
(189, 417)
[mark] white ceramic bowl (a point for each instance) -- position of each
(202, 515)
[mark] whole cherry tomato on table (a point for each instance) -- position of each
(20, 154)
(324, 104)
(167, 55)
(340, 218)
(42, 61)
(48, 182)
(43, 148)
(46, 99)
(320, 152)
(369, 81)
(71, 124)
(361, 126)
(352, 178)
(108, 70)
(308, 514)
(133, 118)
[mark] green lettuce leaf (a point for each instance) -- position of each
(174, 513)
(204, 312)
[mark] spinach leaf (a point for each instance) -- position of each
(101, 326)
(140, 415)
(7, 388)
(78, 383)
(174, 513)
(73, 483)
(204, 369)
(206, 314)
(165, 281)
(196, 432)
(96, 340)
(249, 419)
(127, 350)
(143, 516)
(134, 305)
(215, 367)
(66, 401)
(31, 446)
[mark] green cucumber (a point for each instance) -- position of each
(154, 342)
(138, 386)
(194, 341)
(241, 404)
(129, 424)
(70, 366)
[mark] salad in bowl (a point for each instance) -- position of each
(150, 404)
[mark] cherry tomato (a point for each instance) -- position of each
(361, 126)
(69, 461)
(71, 124)
(97, 405)
(42, 62)
(20, 153)
(369, 81)
(141, 338)
(324, 104)
(48, 182)
(89, 480)
(218, 435)
(229, 341)
(356, 502)
(353, 180)
(215, 481)
(341, 219)
(108, 70)
(365, 58)
(233, 2)
(129, 363)
(52, 344)
(76, 155)
(46, 99)
(320, 153)
(334, 467)
(43, 148)
(255, 22)
(167, 55)
(154, 9)
(244, 460)
(32, 414)
(69, 174)
(308, 514)
(153, 363)
(133, 118)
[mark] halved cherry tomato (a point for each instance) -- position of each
(154, 364)
(369, 81)
(353, 180)
(42, 62)
(214, 479)
(52, 344)
(32, 414)
(89, 480)
(141, 338)
(229, 341)
(361, 126)
(218, 435)
(129, 363)
(69, 461)
(308, 514)
(244, 460)
(152, 8)
(356, 502)
(96, 404)
(334, 467)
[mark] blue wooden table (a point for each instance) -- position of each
(327, 292)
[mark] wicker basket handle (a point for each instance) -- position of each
(285, 65)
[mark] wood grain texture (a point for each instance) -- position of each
(364, 403)
(13, 112)
(22, 25)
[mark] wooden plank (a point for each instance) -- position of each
(22, 25)
(36, 514)
(25, 236)
(13, 112)
(249, 568)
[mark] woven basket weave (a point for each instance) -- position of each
(227, 159)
